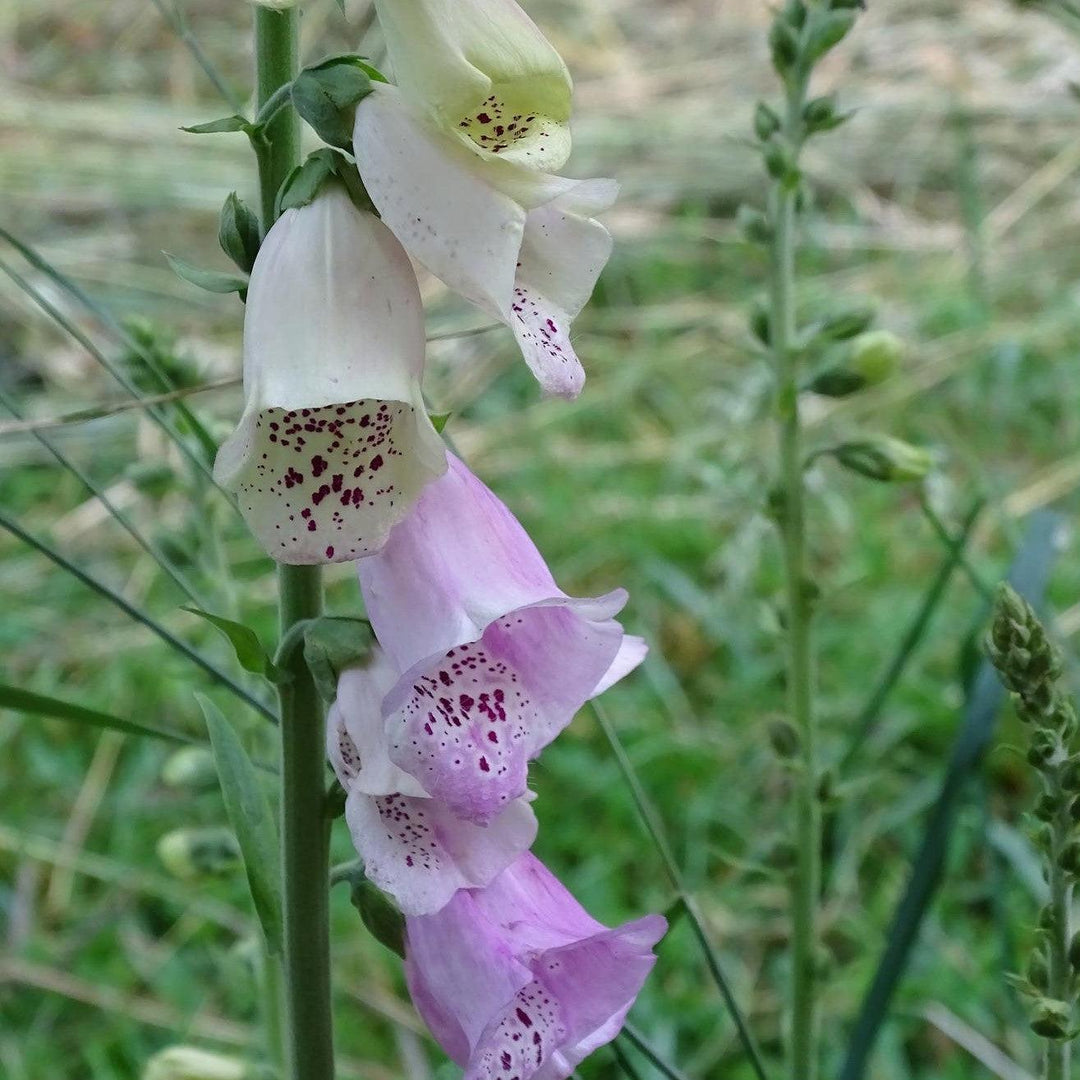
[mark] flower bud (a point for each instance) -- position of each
(784, 738)
(1074, 951)
(827, 32)
(754, 225)
(1070, 857)
(1051, 1019)
(836, 382)
(766, 122)
(194, 853)
(784, 45)
(1038, 971)
(191, 1063)
(821, 115)
(780, 164)
(881, 457)
(1046, 807)
(191, 767)
(794, 13)
(875, 355)
(1070, 775)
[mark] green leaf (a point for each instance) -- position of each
(13, 697)
(251, 819)
(210, 280)
(245, 642)
(226, 123)
(332, 644)
(304, 182)
(326, 95)
(238, 232)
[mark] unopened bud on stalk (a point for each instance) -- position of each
(881, 457)
(1074, 952)
(753, 224)
(784, 45)
(1038, 971)
(1051, 1019)
(766, 122)
(875, 355)
(784, 738)
(194, 853)
(1046, 807)
(191, 767)
(191, 1063)
(1070, 857)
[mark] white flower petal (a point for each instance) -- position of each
(334, 443)
(485, 71)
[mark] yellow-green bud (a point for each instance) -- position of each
(875, 355)
(881, 457)
(191, 1063)
(191, 767)
(194, 853)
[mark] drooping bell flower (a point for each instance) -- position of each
(518, 982)
(496, 657)
(520, 244)
(413, 846)
(334, 443)
(483, 71)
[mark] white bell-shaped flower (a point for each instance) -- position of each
(334, 444)
(520, 244)
(485, 73)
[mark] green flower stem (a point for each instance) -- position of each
(800, 664)
(304, 828)
(1060, 973)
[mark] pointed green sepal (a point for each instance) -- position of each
(211, 280)
(245, 642)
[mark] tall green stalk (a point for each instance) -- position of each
(806, 884)
(305, 831)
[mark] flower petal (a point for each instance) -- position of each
(419, 852)
(518, 244)
(481, 66)
(334, 443)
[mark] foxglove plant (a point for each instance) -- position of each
(495, 657)
(546, 983)
(455, 158)
(413, 847)
(334, 443)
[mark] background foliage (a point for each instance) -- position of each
(952, 198)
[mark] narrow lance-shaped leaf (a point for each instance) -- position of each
(245, 642)
(14, 697)
(251, 819)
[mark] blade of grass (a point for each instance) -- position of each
(636, 1039)
(63, 321)
(1028, 576)
(133, 612)
(174, 574)
(14, 697)
(175, 18)
(915, 633)
(651, 820)
(950, 542)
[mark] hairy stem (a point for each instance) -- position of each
(304, 828)
(800, 675)
(1059, 974)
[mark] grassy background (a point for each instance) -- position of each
(951, 200)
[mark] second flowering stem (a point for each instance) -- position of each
(791, 511)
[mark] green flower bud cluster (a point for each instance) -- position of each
(195, 853)
(1030, 667)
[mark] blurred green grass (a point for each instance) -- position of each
(654, 480)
